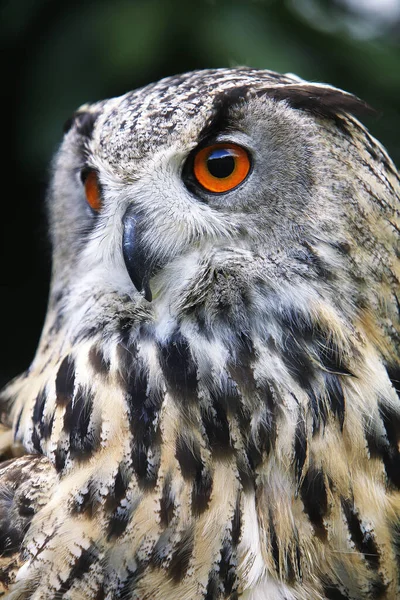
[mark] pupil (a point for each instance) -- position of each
(221, 163)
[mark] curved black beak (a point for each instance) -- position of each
(135, 257)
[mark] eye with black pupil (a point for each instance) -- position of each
(92, 189)
(220, 167)
(221, 163)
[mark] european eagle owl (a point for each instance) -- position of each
(212, 411)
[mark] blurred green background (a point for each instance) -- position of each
(58, 55)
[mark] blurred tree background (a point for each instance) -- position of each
(59, 55)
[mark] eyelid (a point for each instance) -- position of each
(84, 173)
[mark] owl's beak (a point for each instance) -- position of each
(135, 257)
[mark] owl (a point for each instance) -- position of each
(212, 412)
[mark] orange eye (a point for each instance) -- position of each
(92, 191)
(221, 167)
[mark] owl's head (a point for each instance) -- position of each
(230, 194)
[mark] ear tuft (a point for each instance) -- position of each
(319, 99)
(83, 121)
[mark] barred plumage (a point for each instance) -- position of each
(213, 409)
